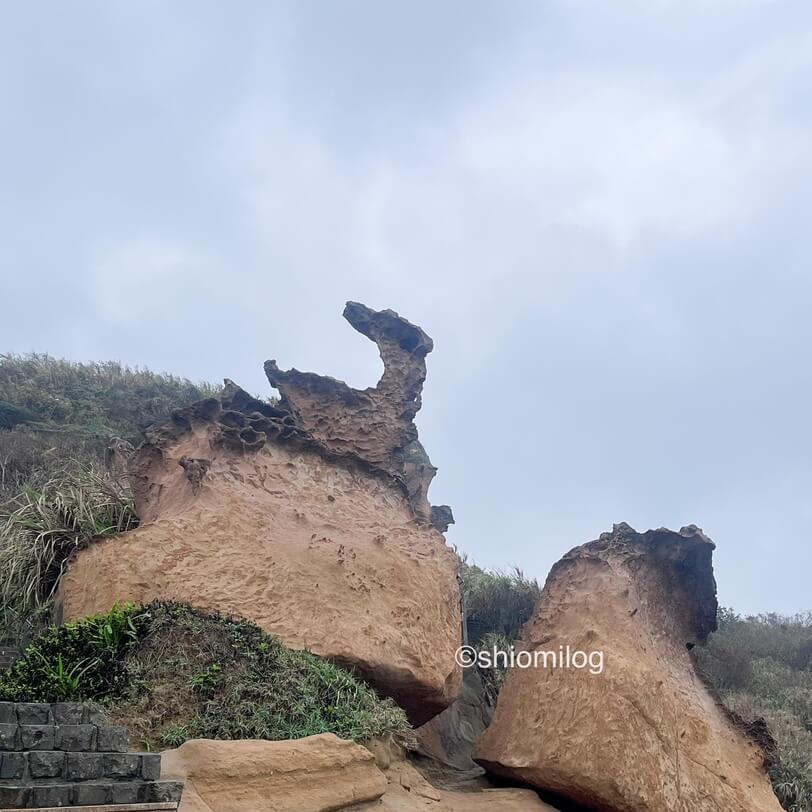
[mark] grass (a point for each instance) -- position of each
(496, 602)
(202, 675)
(95, 398)
(41, 527)
(497, 605)
(170, 672)
(762, 667)
(54, 411)
(56, 420)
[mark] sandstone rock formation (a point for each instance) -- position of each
(451, 735)
(317, 774)
(308, 517)
(304, 775)
(647, 734)
(375, 424)
(408, 791)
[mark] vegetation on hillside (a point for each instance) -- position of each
(54, 411)
(170, 672)
(762, 667)
(496, 605)
(56, 420)
(102, 398)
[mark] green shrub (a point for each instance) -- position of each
(38, 531)
(169, 672)
(77, 661)
(760, 666)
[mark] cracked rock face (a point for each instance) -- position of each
(308, 517)
(647, 734)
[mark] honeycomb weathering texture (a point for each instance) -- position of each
(646, 735)
(376, 424)
(257, 509)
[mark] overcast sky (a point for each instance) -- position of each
(600, 211)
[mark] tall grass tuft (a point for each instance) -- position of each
(41, 527)
(496, 602)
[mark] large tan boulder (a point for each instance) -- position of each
(646, 734)
(315, 774)
(320, 535)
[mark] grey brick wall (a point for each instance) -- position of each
(63, 754)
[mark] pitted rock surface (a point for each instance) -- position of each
(256, 509)
(647, 734)
(376, 424)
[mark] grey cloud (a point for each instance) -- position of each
(598, 212)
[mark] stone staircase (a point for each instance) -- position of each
(63, 755)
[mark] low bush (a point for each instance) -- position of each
(496, 602)
(77, 661)
(760, 666)
(169, 672)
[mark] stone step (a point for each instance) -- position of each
(43, 795)
(81, 738)
(35, 765)
(107, 808)
(54, 713)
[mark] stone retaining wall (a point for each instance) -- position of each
(62, 754)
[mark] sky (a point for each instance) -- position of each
(599, 211)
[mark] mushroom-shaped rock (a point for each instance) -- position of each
(637, 729)
(256, 509)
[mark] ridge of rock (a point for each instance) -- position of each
(375, 425)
